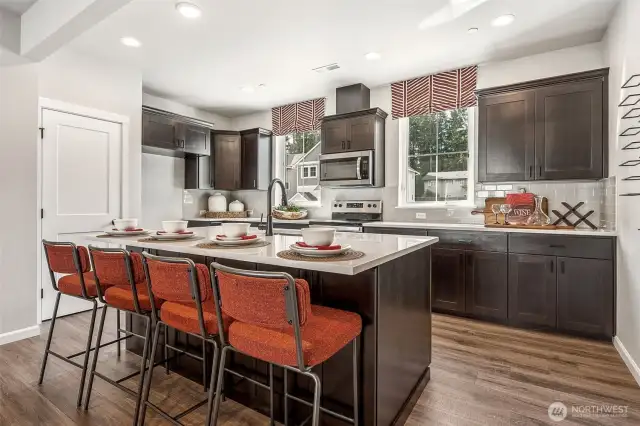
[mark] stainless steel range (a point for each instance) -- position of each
(350, 215)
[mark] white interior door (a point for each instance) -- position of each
(81, 187)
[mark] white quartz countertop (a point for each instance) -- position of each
(378, 249)
(480, 227)
(249, 219)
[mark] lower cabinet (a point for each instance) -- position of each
(447, 280)
(585, 296)
(486, 284)
(532, 290)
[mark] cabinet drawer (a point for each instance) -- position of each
(395, 231)
(562, 245)
(486, 241)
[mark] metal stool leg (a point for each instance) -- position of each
(204, 365)
(118, 332)
(48, 345)
(143, 366)
(216, 404)
(316, 398)
(95, 357)
(147, 384)
(271, 421)
(356, 368)
(166, 350)
(86, 354)
(212, 384)
(286, 399)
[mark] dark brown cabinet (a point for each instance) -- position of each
(585, 296)
(226, 160)
(194, 139)
(550, 129)
(173, 135)
(356, 131)
(486, 284)
(532, 290)
(447, 280)
(242, 160)
(159, 131)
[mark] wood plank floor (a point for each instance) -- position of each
(482, 374)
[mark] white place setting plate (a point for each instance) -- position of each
(172, 236)
(228, 241)
(314, 252)
(119, 233)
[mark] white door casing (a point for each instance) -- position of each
(82, 180)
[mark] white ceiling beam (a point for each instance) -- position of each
(50, 24)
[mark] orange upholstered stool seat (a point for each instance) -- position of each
(121, 297)
(326, 331)
(70, 284)
(183, 316)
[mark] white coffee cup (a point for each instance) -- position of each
(173, 226)
(235, 230)
(124, 224)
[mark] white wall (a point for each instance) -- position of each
(18, 186)
(549, 64)
(624, 61)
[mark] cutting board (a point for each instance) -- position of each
(490, 217)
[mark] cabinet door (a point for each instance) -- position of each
(361, 133)
(226, 158)
(250, 161)
(447, 280)
(506, 137)
(486, 284)
(532, 290)
(585, 296)
(196, 139)
(158, 131)
(569, 130)
(334, 135)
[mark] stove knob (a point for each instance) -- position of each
(369, 206)
(340, 205)
(335, 205)
(375, 205)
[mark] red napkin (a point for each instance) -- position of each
(244, 237)
(179, 232)
(305, 245)
(130, 229)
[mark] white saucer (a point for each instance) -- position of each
(173, 236)
(220, 238)
(237, 242)
(313, 252)
(124, 233)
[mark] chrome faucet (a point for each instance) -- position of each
(269, 230)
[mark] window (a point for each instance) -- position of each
(435, 166)
(300, 152)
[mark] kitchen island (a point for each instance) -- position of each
(389, 287)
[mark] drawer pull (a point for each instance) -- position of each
(557, 246)
(465, 241)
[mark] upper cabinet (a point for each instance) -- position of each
(548, 129)
(169, 134)
(354, 131)
(242, 160)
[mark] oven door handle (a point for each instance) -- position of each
(358, 167)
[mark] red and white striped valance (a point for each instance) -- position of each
(299, 117)
(434, 93)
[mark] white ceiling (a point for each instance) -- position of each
(16, 6)
(235, 43)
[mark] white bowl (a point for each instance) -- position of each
(124, 224)
(173, 226)
(233, 230)
(319, 236)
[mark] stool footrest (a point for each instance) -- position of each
(65, 359)
(101, 346)
(324, 410)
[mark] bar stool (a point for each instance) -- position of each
(77, 281)
(188, 307)
(127, 291)
(274, 321)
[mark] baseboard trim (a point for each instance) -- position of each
(628, 360)
(14, 336)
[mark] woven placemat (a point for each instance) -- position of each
(213, 245)
(117, 236)
(153, 240)
(349, 255)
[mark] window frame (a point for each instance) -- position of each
(403, 168)
(280, 170)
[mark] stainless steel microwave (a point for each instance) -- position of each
(355, 168)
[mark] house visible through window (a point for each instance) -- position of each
(301, 175)
(435, 164)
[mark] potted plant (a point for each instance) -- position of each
(290, 212)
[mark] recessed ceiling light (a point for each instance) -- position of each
(472, 30)
(247, 89)
(188, 10)
(372, 56)
(503, 20)
(130, 42)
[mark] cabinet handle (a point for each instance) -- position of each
(465, 241)
(348, 144)
(540, 171)
(562, 266)
(556, 246)
(254, 183)
(342, 144)
(530, 171)
(551, 265)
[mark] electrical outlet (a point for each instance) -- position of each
(421, 215)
